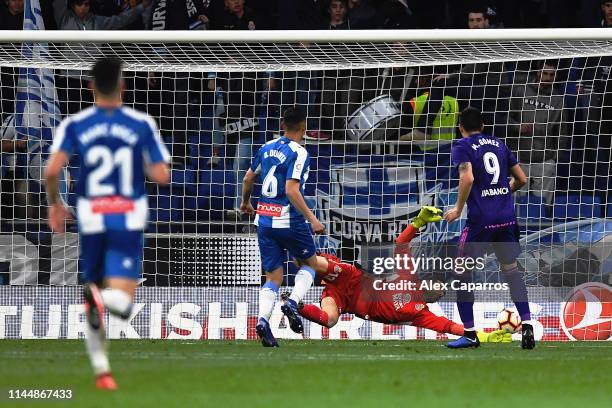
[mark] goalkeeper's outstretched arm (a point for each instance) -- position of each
(426, 215)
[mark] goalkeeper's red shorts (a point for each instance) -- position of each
(353, 293)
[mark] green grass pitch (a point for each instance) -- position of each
(314, 374)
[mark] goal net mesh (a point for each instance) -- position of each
(381, 118)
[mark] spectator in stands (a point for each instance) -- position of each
(235, 16)
(11, 16)
(178, 15)
(218, 112)
(536, 128)
(445, 121)
(495, 12)
(10, 145)
(239, 123)
(304, 86)
(9, 169)
(595, 114)
(408, 82)
(173, 97)
(235, 102)
(595, 13)
(110, 8)
(80, 17)
(478, 19)
(606, 9)
(338, 11)
(336, 85)
(73, 85)
(475, 85)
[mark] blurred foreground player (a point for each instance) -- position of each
(485, 165)
(115, 146)
(349, 290)
(284, 221)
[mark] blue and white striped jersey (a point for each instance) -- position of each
(278, 161)
(113, 146)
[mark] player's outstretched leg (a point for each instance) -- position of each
(303, 281)
(465, 304)
(267, 299)
(290, 310)
(95, 337)
(518, 293)
(315, 314)
(327, 315)
(465, 341)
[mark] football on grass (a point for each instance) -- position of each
(508, 320)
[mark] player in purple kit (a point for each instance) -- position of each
(485, 165)
(117, 148)
(284, 221)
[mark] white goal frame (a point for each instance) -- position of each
(325, 36)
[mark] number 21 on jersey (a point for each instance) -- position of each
(106, 161)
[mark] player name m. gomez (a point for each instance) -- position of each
(485, 141)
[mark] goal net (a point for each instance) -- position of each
(382, 111)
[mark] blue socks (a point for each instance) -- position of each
(518, 292)
(465, 302)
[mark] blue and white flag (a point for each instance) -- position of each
(37, 108)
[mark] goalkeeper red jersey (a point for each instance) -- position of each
(357, 292)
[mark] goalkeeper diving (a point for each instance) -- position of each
(349, 289)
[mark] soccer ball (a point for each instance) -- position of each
(508, 320)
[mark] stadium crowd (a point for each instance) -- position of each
(235, 107)
(306, 14)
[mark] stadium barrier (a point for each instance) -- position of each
(230, 313)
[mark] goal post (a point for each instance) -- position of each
(382, 110)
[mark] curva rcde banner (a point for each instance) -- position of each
(47, 312)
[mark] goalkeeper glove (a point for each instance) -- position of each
(483, 337)
(499, 336)
(426, 215)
